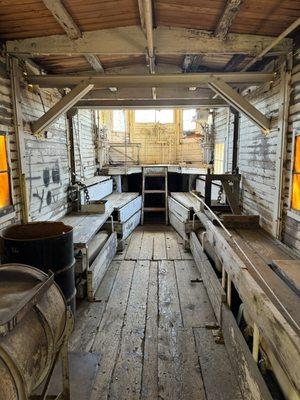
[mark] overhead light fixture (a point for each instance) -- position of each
(192, 88)
(113, 89)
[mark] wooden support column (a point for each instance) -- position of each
(239, 103)
(236, 129)
(284, 101)
(19, 133)
(70, 115)
(68, 101)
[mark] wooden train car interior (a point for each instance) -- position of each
(149, 200)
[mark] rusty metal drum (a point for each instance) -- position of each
(33, 320)
(46, 246)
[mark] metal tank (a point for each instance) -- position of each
(33, 325)
(46, 246)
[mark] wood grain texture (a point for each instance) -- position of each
(143, 328)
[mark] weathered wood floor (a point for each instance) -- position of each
(149, 327)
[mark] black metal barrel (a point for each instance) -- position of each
(46, 246)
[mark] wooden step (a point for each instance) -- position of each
(154, 174)
(154, 209)
(154, 191)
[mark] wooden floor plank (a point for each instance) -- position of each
(218, 374)
(88, 315)
(146, 252)
(195, 305)
(127, 375)
(134, 246)
(191, 381)
(159, 246)
(173, 252)
(150, 372)
(109, 332)
(149, 327)
(169, 321)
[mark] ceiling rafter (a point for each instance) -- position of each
(163, 93)
(90, 104)
(65, 20)
(230, 12)
(129, 41)
(274, 42)
(191, 62)
(146, 17)
(150, 80)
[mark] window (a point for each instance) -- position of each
(119, 122)
(219, 158)
(5, 192)
(165, 116)
(295, 195)
(189, 121)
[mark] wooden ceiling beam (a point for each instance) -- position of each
(129, 41)
(94, 62)
(142, 15)
(157, 80)
(162, 93)
(191, 62)
(63, 17)
(230, 12)
(73, 32)
(274, 43)
(239, 103)
(167, 103)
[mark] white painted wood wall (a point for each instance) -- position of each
(291, 226)
(257, 157)
(47, 163)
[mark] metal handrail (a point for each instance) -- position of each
(247, 258)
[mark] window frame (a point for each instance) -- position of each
(8, 212)
(224, 155)
(156, 110)
(291, 212)
(125, 121)
(182, 119)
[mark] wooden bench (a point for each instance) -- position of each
(126, 214)
(93, 250)
(181, 212)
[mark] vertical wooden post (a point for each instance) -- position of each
(70, 115)
(19, 134)
(236, 128)
(255, 347)
(284, 99)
